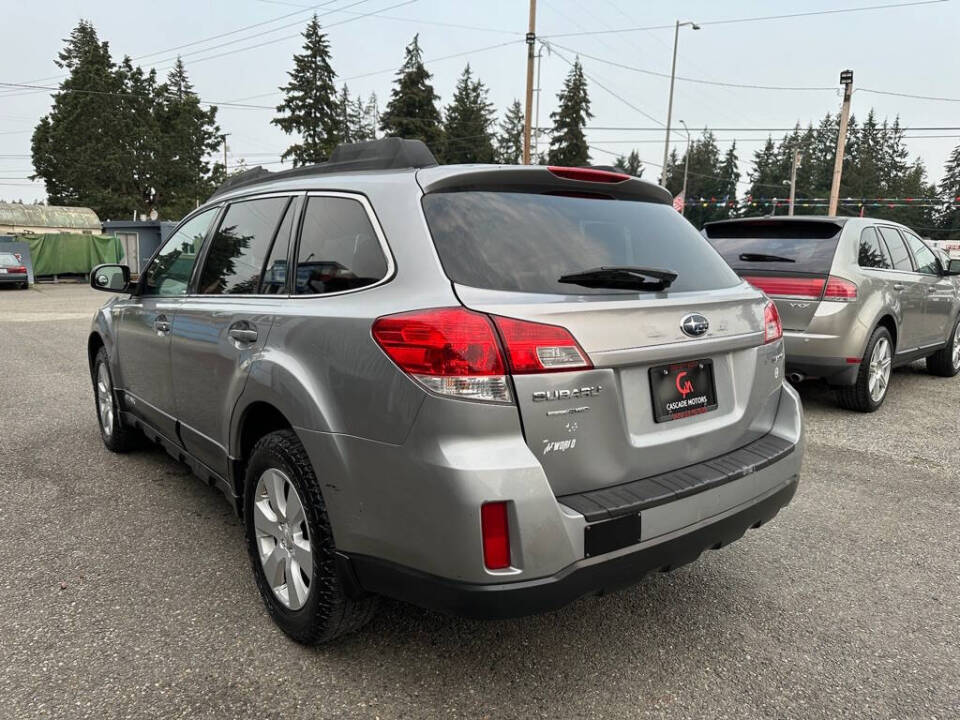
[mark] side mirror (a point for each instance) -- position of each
(110, 278)
(953, 267)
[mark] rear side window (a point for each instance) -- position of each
(524, 242)
(776, 245)
(872, 253)
(240, 246)
(275, 271)
(899, 255)
(339, 249)
(926, 260)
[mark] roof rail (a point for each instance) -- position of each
(385, 154)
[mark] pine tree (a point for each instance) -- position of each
(310, 103)
(412, 111)
(631, 164)
(188, 136)
(510, 137)
(568, 142)
(79, 148)
(371, 117)
(350, 126)
(949, 219)
(467, 135)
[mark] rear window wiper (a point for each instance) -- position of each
(622, 277)
(763, 257)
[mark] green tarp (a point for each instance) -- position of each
(65, 253)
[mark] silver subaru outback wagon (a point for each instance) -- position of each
(486, 390)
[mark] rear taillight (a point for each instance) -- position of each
(840, 290)
(772, 329)
(808, 288)
(451, 351)
(495, 530)
(18, 270)
(457, 352)
(537, 348)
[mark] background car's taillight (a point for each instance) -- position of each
(18, 270)
(840, 290)
(807, 288)
(451, 351)
(458, 352)
(772, 328)
(537, 348)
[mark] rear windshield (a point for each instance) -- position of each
(524, 242)
(8, 259)
(805, 247)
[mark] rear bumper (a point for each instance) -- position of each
(12, 278)
(836, 371)
(586, 577)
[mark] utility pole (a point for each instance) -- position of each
(673, 75)
(793, 180)
(537, 90)
(686, 168)
(223, 139)
(528, 112)
(846, 79)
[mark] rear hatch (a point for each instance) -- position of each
(656, 398)
(787, 258)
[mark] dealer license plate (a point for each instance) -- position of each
(682, 389)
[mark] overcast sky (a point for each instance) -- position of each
(907, 50)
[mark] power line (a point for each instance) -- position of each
(128, 95)
(906, 95)
(611, 92)
(752, 19)
(699, 81)
(751, 129)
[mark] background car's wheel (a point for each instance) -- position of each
(946, 361)
(873, 377)
(116, 436)
(291, 545)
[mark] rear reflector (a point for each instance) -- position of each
(808, 288)
(538, 348)
(451, 351)
(840, 290)
(588, 174)
(495, 530)
(772, 328)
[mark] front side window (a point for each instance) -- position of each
(169, 273)
(239, 248)
(926, 260)
(339, 249)
(872, 253)
(899, 254)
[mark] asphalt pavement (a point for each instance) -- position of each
(126, 592)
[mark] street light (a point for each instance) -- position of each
(673, 74)
(686, 167)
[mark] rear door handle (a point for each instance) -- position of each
(243, 333)
(898, 286)
(161, 324)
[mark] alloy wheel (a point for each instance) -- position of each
(879, 373)
(283, 538)
(956, 346)
(105, 399)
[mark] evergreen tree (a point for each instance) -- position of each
(467, 135)
(949, 220)
(310, 103)
(568, 142)
(510, 138)
(711, 182)
(188, 136)
(412, 111)
(631, 164)
(350, 117)
(78, 149)
(371, 117)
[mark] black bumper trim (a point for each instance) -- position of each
(834, 371)
(637, 495)
(516, 599)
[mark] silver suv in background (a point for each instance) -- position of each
(857, 297)
(488, 390)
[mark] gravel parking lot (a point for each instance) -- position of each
(125, 588)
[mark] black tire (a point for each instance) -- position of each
(942, 361)
(116, 436)
(328, 610)
(857, 396)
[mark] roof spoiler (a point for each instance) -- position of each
(386, 154)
